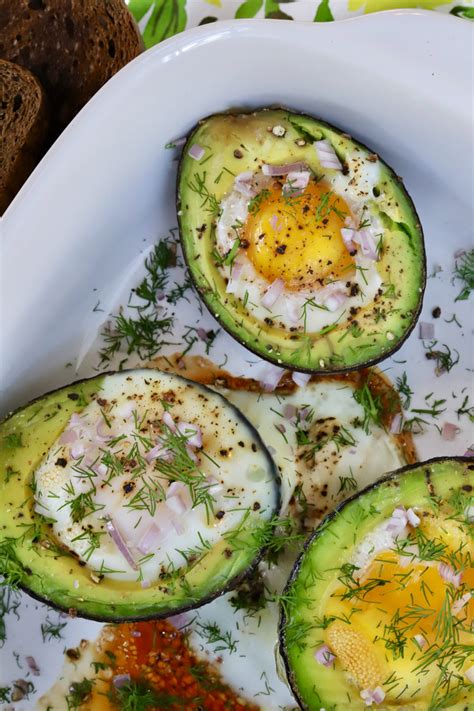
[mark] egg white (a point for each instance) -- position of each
(238, 481)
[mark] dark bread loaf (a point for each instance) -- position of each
(72, 46)
(23, 128)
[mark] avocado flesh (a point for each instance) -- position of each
(438, 485)
(382, 325)
(32, 557)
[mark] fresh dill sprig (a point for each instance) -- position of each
(256, 202)
(209, 200)
(52, 630)
(445, 360)
(213, 634)
(9, 602)
(79, 693)
(372, 406)
(464, 272)
(404, 390)
(347, 483)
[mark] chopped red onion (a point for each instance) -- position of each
(459, 253)
(271, 377)
(469, 452)
(244, 184)
(179, 621)
(273, 292)
(275, 223)
(469, 674)
(159, 452)
(289, 411)
(215, 485)
(420, 640)
(160, 295)
(334, 301)
(372, 696)
(327, 155)
(150, 539)
(277, 170)
(196, 151)
(397, 521)
(367, 243)
(426, 331)
(396, 425)
(103, 430)
(145, 584)
(120, 543)
(280, 427)
(413, 519)
(177, 525)
(120, 680)
(77, 450)
(176, 504)
(136, 633)
(449, 431)
(32, 666)
(301, 379)
(202, 333)
(191, 453)
(458, 605)
(192, 433)
(304, 413)
(347, 235)
(448, 574)
(296, 182)
(75, 420)
(100, 469)
(168, 421)
(324, 656)
(68, 436)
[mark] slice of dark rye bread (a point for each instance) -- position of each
(73, 47)
(23, 128)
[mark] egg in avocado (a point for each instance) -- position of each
(302, 242)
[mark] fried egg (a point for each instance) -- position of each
(291, 245)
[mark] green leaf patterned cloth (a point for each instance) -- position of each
(159, 19)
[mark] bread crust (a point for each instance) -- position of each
(24, 124)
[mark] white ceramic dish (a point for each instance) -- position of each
(399, 81)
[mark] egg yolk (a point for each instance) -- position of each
(397, 617)
(297, 237)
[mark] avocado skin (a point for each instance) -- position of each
(242, 339)
(391, 478)
(113, 611)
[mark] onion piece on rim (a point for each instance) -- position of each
(277, 170)
(271, 377)
(301, 379)
(196, 151)
(273, 292)
(327, 155)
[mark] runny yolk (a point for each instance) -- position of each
(297, 237)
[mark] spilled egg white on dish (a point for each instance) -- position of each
(332, 474)
(107, 483)
(299, 247)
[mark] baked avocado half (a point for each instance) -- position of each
(378, 609)
(301, 241)
(132, 495)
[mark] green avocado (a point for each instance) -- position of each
(302, 242)
(87, 467)
(378, 607)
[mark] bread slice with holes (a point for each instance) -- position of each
(72, 46)
(23, 128)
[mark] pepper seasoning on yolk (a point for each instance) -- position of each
(297, 236)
